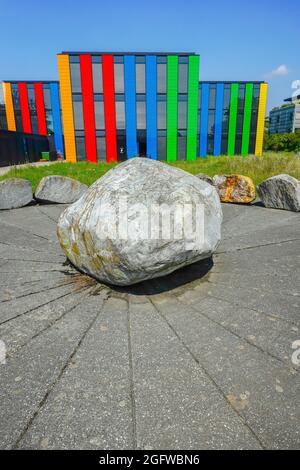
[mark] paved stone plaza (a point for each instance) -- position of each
(198, 360)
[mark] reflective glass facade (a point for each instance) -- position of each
(34, 108)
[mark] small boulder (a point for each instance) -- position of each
(204, 177)
(131, 225)
(280, 192)
(59, 189)
(235, 188)
(15, 192)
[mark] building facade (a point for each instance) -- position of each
(33, 107)
(114, 106)
(286, 118)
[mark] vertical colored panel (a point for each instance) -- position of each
(25, 111)
(88, 107)
(151, 115)
(261, 119)
(247, 118)
(218, 118)
(57, 125)
(192, 111)
(40, 108)
(67, 107)
(9, 106)
(130, 106)
(204, 119)
(172, 105)
(109, 107)
(234, 96)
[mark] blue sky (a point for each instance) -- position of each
(237, 39)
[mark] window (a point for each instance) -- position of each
(212, 97)
(161, 78)
(161, 145)
(97, 78)
(78, 113)
(120, 114)
(47, 97)
(141, 115)
(119, 78)
(99, 113)
(75, 78)
(161, 112)
(181, 145)
(140, 78)
(182, 115)
(80, 148)
(101, 148)
(31, 97)
(182, 78)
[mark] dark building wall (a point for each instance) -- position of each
(18, 147)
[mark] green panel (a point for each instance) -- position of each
(247, 118)
(172, 98)
(192, 112)
(234, 96)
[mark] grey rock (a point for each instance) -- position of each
(14, 193)
(280, 192)
(88, 230)
(59, 189)
(204, 177)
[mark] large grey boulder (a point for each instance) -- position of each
(59, 189)
(280, 192)
(15, 192)
(128, 225)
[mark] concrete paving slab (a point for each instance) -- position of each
(203, 358)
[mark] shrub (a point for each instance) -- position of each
(282, 142)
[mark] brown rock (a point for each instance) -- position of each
(235, 188)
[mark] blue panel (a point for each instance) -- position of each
(218, 119)
(204, 119)
(151, 123)
(130, 106)
(57, 126)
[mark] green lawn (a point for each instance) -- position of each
(258, 168)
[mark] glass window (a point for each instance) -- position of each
(141, 115)
(119, 78)
(211, 122)
(47, 97)
(161, 114)
(97, 78)
(31, 97)
(34, 122)
(80, 148)
(75, 78)
(78, 113)
(120, 114)
(16, 97)
(241, 97)
(212, 96)
(140, 78)
(181, 145)
(49, 121)
(161, 78)
(161, 145)
(99, 114)
(182, 113)
(182, 78)
(101, 148)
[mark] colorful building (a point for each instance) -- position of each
(116, 106)
(33, 107)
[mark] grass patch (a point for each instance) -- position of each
(257, 168)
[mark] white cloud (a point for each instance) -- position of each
(279, 72)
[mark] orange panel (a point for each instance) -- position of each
(9, 106)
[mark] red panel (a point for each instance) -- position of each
(40, 108)
(109, 107)
(25, 112)
(88, 107)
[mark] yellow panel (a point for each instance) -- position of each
(67, 107)
(9, 106)
(261, 119)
